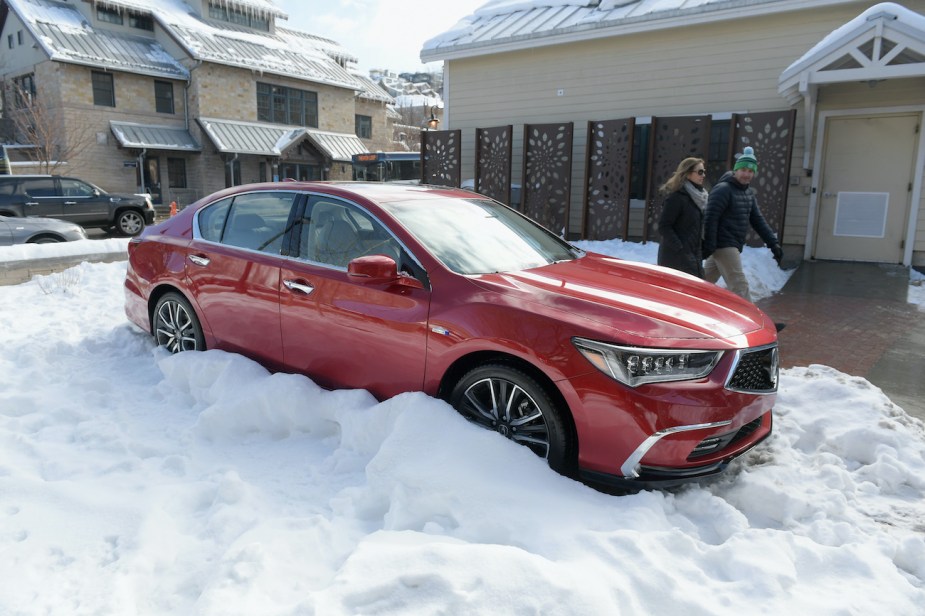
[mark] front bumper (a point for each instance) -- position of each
(657, 477)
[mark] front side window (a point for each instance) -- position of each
(163, 96)
(282, 105)
(335, 233)
(104, 93)
(364, 127)
(76, 188)
(176, 172)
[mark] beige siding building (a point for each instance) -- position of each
(854, 74)
(123, 94)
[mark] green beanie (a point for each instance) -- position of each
(746, 160)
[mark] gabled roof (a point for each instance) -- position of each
(508, 25)
(153, 137)
(887, 40)
(66, 36)
(235, 137)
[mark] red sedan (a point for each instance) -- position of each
(613, 371)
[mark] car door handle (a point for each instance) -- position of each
(32, 202)
(199, 260)
(294, 285)
(70, 203)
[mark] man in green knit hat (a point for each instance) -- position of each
(731, 208)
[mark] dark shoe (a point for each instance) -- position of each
(780, 326)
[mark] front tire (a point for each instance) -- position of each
(130, 223)
(175, 325)
(507, 400)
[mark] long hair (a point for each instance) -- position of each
(677, 178)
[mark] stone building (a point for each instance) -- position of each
(179, 99)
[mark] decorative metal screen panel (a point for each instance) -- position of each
(607, 179)
(771, 135)
(442, 157)
(547, 174)
(673, 140)
(493, 162)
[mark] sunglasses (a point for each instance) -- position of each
(699, 171)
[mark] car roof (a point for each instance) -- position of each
(374, 191)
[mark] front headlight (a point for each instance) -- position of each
(635, 366)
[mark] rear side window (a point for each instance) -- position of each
(259, 221)
(40, 187)
(212, 220)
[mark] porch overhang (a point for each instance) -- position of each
(153, 137)
(887, 41)
(273, 140)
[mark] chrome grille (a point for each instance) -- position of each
(756, 371)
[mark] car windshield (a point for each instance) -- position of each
(478, 236)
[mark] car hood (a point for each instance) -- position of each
(641, 302)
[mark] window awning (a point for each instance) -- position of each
(274, 139)
(153, 137)
(887, 41)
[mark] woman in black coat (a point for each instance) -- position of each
(681, 222)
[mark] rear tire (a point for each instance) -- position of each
(175, 325)
(509, 401)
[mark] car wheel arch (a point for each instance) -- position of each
(463, 365)
(160, 291)
(45, 238)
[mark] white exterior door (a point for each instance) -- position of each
(866, 186)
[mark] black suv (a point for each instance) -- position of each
(53, 196)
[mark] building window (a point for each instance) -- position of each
(24, 90)
(233, 173)
(364, 127)
(9, 40)
(221, 10)
(282, 105)
(19, 37)
(108, 15)
(163, 96)
(176, 172)
(142, 22)
(103, 91)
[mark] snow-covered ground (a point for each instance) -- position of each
(136, 482)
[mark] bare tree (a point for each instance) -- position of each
(412, 122)
(52, 138)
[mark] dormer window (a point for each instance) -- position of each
(108, 15)
(224, 11)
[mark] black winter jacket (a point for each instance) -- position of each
(680, 226)
(731, 208)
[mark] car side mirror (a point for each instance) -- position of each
(380, 269)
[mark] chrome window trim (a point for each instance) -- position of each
(630, 467)
(735, 364)
(197, 235)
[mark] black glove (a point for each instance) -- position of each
(778, 253)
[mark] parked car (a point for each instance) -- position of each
(613, 371)
(30, 230)
(73, 200)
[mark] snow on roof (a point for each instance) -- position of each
(897, 16)
(525, 23)
(66, 36)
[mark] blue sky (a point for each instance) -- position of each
(385, 34)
